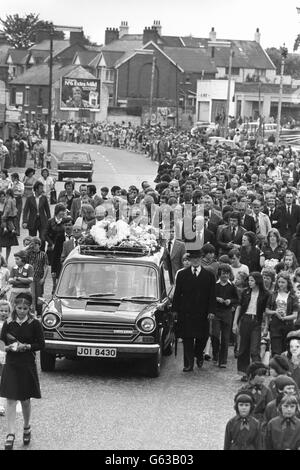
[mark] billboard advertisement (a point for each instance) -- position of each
(78, 93)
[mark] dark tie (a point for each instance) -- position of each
(195, 272)
(233, 233)
(169, 246)
(244, 424)
(289, 210)
(257, 229)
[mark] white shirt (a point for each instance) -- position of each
(198, 269)
(251, 310)
(20, 322)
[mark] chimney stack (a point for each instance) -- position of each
(124, 28)
(76, 37)
(150, 34)
(111, 34)
(213, 35)
(257, 36)
(157, 25)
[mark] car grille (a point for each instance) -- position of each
(98, 332)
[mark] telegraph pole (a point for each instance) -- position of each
(228, 92)
(284, 53)
(50, 93)
(152, 87)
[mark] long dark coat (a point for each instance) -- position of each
(194, 298)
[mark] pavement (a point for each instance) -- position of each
(91, 404)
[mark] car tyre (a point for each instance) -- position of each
(47, 361)
(60, 177)
(90, 179)
(154, 364)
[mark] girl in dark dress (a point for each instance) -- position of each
(22, 335)
(250, 254)
(55, 236)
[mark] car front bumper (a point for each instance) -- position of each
(69, 348)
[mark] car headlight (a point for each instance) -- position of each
(146, 325)
(50, 320)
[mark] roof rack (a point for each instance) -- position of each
(119, 251)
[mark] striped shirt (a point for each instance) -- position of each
(38, 260)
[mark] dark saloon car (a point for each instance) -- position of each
(75, 165)
(110, 305)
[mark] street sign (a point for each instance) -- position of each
(12, 115)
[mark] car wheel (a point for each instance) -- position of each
(154, 364)
(47, 361)
(60, 178)
(90, 179)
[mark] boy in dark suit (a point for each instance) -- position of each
(36, 213)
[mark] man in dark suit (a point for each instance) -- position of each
(70, 244)
(272, 211)
(247, 221)
(290, 217)
(194, 303)
(231, 236)
(36, 213)
(77, 202)
(176, 250)
(92, 193)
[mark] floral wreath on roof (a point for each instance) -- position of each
(110, 234)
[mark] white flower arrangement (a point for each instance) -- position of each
(110, 234)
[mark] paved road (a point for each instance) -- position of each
(112, 405)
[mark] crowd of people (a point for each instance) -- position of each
(229, 220)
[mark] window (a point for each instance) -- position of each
(115, 280)
(40, 97)
(109, 75)
(13, 97)
(260, 72)
(234, 70)
(27, 96)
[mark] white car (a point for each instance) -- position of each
(203, 126)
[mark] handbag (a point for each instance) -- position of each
(53, 196)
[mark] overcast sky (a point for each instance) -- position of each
(277, 20)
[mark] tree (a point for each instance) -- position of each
(21, 30)
(292, 62)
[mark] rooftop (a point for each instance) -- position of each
(39, 74)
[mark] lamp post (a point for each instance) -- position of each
(284, 53)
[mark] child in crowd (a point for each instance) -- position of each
(296, 283)
(5, 311)
(241, 282)
(293, 355)
(283, 432)
(227, 298)
(256, 374)
(278, 365)
(283, 385)
(242, 431)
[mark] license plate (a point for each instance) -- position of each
(96, 352)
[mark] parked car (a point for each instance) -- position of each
(75, 165)
(110, 305)
(222, 142)
(204, 127)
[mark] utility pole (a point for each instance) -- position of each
(50, 93)
(228, 92)
(152, 87)
(177, 118)
(284, 53)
